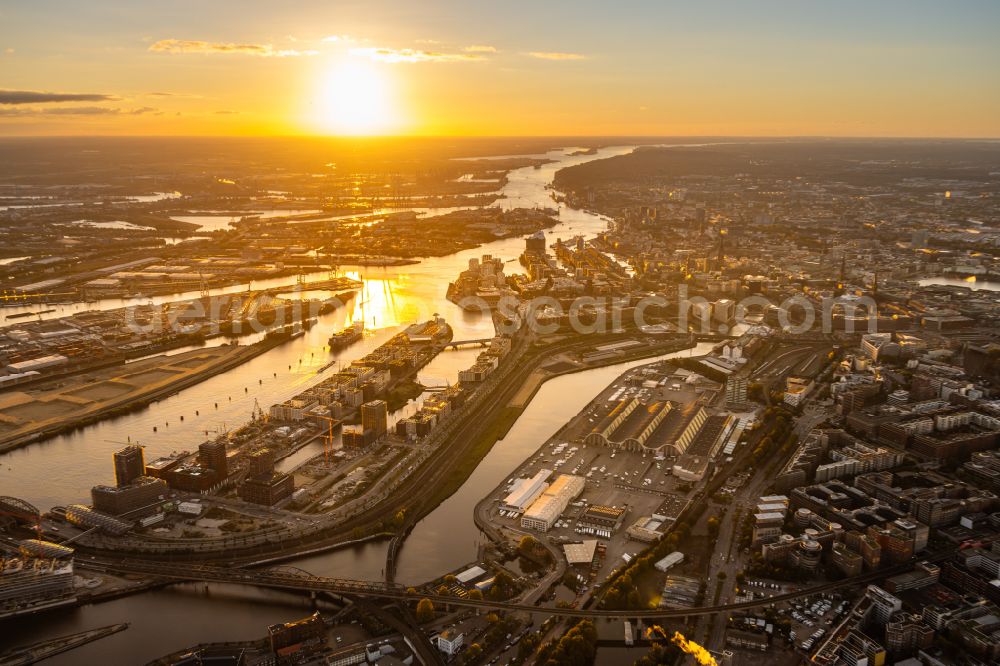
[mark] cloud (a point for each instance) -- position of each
(226, 112)
(35, 97)
(480, 48)
(338, 38)
(172, 95)
(80, 111)
(383, 54)
(194, 46)
(556, 55)
(9, 51)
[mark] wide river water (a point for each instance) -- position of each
(61, 470)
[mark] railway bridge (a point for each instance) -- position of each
(296, 581)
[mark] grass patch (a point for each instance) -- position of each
(470, 458)
(402, 393)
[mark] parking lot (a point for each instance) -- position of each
(639, 483)
(809, 618)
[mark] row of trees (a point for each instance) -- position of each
(780, 437)
(577, 647)
(625, 591)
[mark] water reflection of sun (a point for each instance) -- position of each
(385, 302)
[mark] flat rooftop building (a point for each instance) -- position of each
(544, 512)
(526, 491)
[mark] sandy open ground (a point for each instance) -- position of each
(26, 415)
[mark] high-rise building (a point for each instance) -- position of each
(212, 455)
(129, 465)
(375, 417)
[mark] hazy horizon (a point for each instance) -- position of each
(892, 69)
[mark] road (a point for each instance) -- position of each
(724, 559)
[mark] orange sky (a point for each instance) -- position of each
(516, 68)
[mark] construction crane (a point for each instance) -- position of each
(328, 438)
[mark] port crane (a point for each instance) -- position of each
(258, 414)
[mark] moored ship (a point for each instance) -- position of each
(346, 337)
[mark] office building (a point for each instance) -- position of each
(129, 465)
(212, 455)
(883, 604)
(267, 489)
(375, 417)
(450, 642)
(140, 496)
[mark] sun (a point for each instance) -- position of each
(355, 98)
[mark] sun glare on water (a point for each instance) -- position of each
(355, 98)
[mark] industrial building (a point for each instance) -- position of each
(599, 517)
(580, 554)
(545, 510)
(663, 426)
(691, 468)
(525, 491)
(669, 561)
(646, 529)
